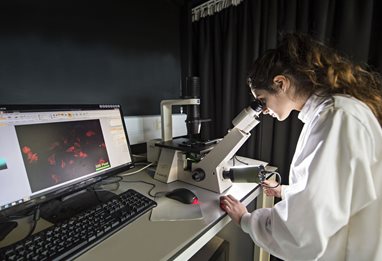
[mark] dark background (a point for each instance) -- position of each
(126, 52)
(137, 53)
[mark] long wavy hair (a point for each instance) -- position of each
(314, 68)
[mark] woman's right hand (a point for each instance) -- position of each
(271, 189)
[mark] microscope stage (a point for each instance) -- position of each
(184, 144)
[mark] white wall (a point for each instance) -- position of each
(141, 129)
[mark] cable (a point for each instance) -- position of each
(11, 217)
(135, 172)
(108, 181)
(9, 225)
(263, 175)
(138, 156)
(36, 217)
(242, 162)
(148, 183)
(141, 163)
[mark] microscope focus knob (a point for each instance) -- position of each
(198, 175)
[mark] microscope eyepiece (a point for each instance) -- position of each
(257, 105)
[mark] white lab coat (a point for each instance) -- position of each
(332, 209)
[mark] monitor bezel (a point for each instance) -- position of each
(67, 189)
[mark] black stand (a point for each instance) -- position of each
(58, 210)
(186, 145)
(6, 227)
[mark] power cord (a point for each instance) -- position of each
(236, 158)
(139, 156)
(135, 172)
(107, 181)
(264, 175)
(148, 183)
(36, 217)
(9, 224)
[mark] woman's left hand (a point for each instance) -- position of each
(234, 208)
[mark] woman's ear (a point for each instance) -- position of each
(281, 82)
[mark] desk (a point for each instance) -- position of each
(164, 240)
(168, 240)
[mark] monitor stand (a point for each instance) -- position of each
(61, 209)
(6, 227)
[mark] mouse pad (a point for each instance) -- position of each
(172, 210)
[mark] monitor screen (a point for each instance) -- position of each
(52, 150)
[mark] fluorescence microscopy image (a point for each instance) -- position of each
(57, 152)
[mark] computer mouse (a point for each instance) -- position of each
(183, 195)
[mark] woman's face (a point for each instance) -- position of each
(275, 104)
(280, 104)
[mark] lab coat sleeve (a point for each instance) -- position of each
(336, 182)
(283, 189)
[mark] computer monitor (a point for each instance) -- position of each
(47, 151)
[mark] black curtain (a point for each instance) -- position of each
(226, 43)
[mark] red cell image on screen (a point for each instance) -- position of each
(57, 152)
(32, 157)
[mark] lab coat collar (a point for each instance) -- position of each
(312, 107)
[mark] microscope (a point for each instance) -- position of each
(203, 164)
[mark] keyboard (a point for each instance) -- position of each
(68, 239)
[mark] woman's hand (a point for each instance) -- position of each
(234, 208)
(271, 188)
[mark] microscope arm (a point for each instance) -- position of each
(166, 114)
(211, 167)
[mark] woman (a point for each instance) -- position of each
(332, 208)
